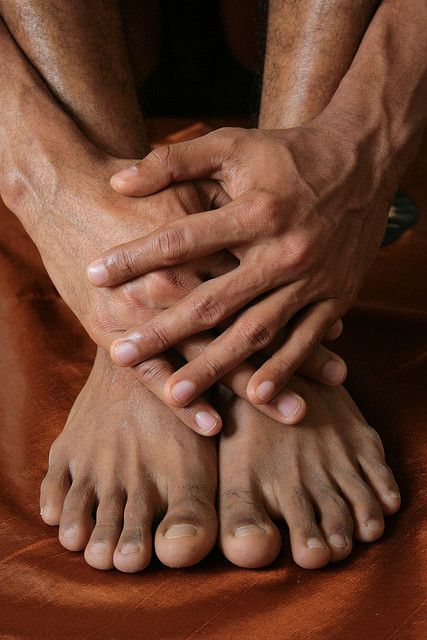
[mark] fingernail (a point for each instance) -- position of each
(205, 421)
(183, 391)
(248, 530)
(334, 371)
(288, 406)
(126, 352)
(126, 174)
(70, 532)
(98, 547)
(315, 543)
(181, 531)
(337, 540)
(265, 390)
(98, 274)
(130, 547)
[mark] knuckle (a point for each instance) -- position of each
(151, 371)
(123, 263)
(255, 334)
(212, 368)
(158, 337)
(161, 155)
(207, 311)
(171, 244)
(163, 287)
(309, 341)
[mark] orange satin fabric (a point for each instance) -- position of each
(47, 592)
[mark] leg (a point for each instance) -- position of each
(114, 468)
(327, 477)
(310, 46)
(80, 51)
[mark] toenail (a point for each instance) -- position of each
(130, 547)
(392, 495)
(98, 547)
(337, 540)
(288, 406)
(126, 174)
(45, 512)
(373, 525)
(183, 391)
(248, 530)
(315, 543)
(265, 390)
(334, 371)
(205, 421)
(126, 353)
(180, 531)
(98, 274)
(70, 532)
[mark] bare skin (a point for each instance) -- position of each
(123, 462)
(102, 403)
(107, 486)
(308, 204)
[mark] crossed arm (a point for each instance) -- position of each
(307, 212)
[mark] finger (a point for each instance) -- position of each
(335, 331)
(251, 332)
(191, 160)
(287, 407)
(325, 367)
(302, 341)
(199, 415)
(204, 308)
(178, 242)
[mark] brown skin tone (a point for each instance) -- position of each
(97, 470)
(308, 204)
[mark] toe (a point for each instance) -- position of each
(335, 522)
(53, 491)
(133, 550)
(248, 537)
(368, 518)
(109, 522)
(76, 522)
(381, 480)
(188, 531)
(309, 548)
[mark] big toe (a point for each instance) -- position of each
(248, 537)
(187, 532)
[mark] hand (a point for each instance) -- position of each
(72, 220)
(306, 217)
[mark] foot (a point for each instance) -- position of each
(123, 462)
(327, 478)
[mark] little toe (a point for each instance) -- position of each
(380, 479)
(336, 523)
(109, 522)
(187, 532)
(76, 521)
(367, 515)
(53, 491)
(134, 548)
(248, 537)
(309, 548)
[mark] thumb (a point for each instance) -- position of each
(192, 160)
